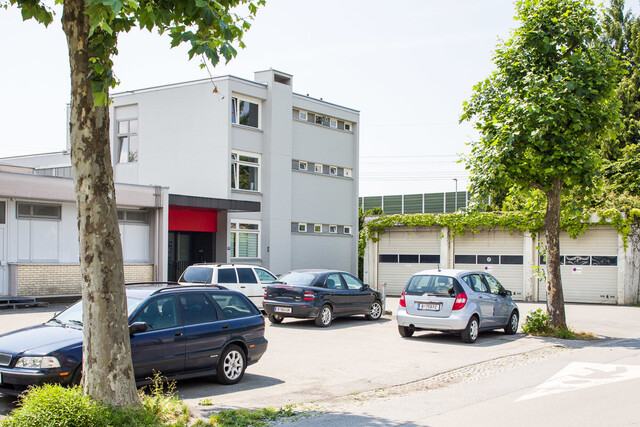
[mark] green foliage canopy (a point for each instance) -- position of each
(209, 26)
(551, 99)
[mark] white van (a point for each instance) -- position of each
(251, 280)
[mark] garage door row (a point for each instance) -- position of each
(589, 263)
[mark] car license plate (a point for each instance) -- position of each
(283, 309)
(429, 306)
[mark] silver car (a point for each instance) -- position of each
(458, 301)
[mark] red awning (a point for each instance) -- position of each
(192, 219)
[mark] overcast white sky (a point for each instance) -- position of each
(406, 65)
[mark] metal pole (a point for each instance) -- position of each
(456, 195)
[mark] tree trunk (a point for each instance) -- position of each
(555, 297)
(107, 374)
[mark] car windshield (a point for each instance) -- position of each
(196, 275)
(298, 278)
(73, 314)
(429, 284)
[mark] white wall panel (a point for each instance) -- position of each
(24, 241)
(396, 276)
(44, 240)
(410, 242)
(135, 242)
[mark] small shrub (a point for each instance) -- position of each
(537, 322)
(206, 402)
(55, 405)
(163, 405)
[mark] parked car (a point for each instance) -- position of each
(251, 280)
(459, 301)
(321, 295)
(179, 331)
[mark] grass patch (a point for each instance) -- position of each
(538, 323)
(249, 417)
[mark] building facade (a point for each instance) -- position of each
(254, 172)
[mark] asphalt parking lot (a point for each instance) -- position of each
(308, 364)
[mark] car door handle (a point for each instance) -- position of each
(178, 334)
(225, 326)
(243, 287)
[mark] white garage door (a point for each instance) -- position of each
(403, 253)
(496, 252)
(589, 267)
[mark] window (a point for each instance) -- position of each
(347, 126)
(197, 309)
(494, 286)
(333, 229)
(333, 123)
(227, 275)
(347, 229)
(476, 283)
(264, 276)
(244, 112)
(245, 171)
(317, 228)
(245, 275)
(347, 172)
(322, 120)
(333, 170)
(233, 306)
(127, 149)
(141, 217)
(318, 168)
(352, 282)
(302, 166)
(3, 206)
(333, 281)
(37, 210)
(303, 115)
(302, 227)
(159, 313)
(245, 239)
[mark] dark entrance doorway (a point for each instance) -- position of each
(189, 247)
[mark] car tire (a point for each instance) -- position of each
(275, 318)
(76, 379)
(325, 316)
(231, 365)
(375, 311)
(405, 331)
(512, 325)
(470, 333)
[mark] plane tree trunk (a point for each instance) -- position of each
(107, 374)
(555, 296)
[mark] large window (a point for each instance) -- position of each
(244, 112)
(245, 239)
(39, 211)
(127, 149)
(245, 171)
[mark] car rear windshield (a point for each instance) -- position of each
(433, 285)
(197, 275)
(298, 278)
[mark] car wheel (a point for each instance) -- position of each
(375, 312)
(405, 331)
(76, 379)
(274, 318)
(512, 326)
(470, 333)
(231, 365)
(325, 317)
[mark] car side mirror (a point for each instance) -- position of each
(366, 287)
(138, 327)
(509, 293)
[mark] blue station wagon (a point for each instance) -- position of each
(178, 331)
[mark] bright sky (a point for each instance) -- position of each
(406, 65)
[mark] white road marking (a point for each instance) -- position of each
(578, 375)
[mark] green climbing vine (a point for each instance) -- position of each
(460, 222)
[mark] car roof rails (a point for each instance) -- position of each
(200, 287)
(151, 283)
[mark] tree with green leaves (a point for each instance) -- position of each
(92, 28)
(542, 115)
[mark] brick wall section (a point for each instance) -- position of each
(42, 280)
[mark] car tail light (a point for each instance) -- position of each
(265, 293)
(460, 302)
(308, 296)
(402, 302)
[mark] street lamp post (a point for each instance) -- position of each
(455, 197)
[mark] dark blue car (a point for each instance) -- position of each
(179, 331)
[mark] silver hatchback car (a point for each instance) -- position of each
(458, 301)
